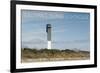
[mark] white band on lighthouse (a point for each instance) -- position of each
(49, 44)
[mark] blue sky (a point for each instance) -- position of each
(70, 30)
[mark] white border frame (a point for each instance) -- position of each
(20, 65)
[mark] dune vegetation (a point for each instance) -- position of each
(40, 55)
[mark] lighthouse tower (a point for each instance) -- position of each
(48, 30)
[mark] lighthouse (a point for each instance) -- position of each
(48, 31)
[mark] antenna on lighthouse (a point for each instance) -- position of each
(48, 30)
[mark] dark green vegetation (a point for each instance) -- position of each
(34, 55)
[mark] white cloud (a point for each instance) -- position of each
(31, 15)
(35, 43)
